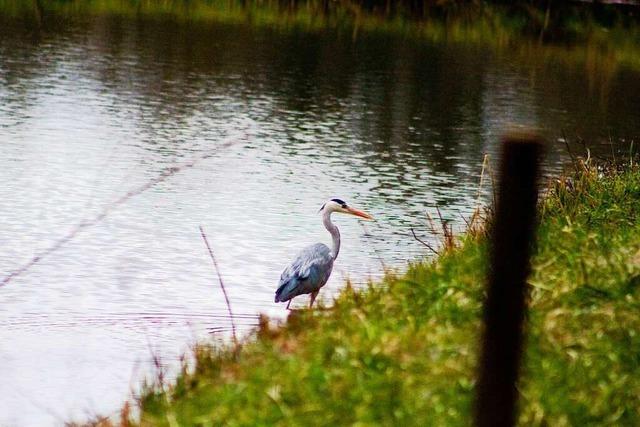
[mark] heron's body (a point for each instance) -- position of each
(312, 267)
(307, 273)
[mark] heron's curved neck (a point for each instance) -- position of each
(335, 233)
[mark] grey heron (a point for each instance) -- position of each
(312, 267)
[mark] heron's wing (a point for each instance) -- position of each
(307, 273)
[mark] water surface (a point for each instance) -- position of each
(92, 108)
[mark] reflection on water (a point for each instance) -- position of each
(93, 108)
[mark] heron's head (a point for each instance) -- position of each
(337, 205)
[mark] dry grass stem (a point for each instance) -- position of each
(423, 242)
(224, 291)
(447, 232)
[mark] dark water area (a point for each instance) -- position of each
(94, 107)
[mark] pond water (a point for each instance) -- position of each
(94, 108)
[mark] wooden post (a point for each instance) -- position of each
(504, 311)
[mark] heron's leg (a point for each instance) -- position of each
(289, 303)
(313, 298)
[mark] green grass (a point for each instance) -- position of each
(574, 32)
(403, 352)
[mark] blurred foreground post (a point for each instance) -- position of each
(504, 311)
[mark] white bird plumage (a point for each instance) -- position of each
(311, 269)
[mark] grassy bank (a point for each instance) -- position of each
(403, 352)
(605, 33)
(539, 20)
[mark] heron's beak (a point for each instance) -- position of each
(361, 214)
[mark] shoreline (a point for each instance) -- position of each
(403, 351)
